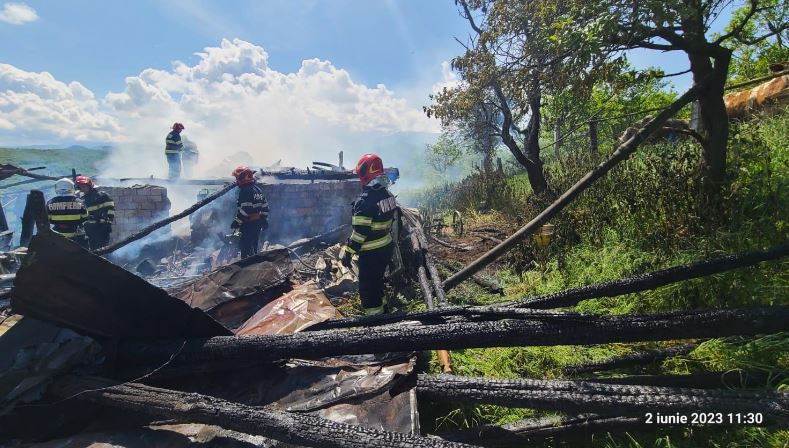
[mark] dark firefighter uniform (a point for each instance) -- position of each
(101, 214)
(371, 238)
(67, 214)
(172, 149)
(251, 217)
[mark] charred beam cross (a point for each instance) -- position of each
(292, 428)
(535, 330)
(622, 400)
(570, 297)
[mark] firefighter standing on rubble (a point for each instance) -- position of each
(252, 215)
(371, 239)
(173, 146)
(101, 213)
(67, 213)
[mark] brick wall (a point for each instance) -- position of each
(136, 207)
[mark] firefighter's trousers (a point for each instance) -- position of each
(372, 266)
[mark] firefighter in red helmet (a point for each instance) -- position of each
(252, 214)
(101, 213)
(173, 147)
(371, 239)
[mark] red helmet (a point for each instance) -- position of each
(369, 167)
(84, 180)
(244, 175)
(178, 127)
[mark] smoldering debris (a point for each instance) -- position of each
(279, 291)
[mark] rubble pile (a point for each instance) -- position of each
(79, 307)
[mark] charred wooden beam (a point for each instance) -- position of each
(486, 283)
(158, 225)
(329, 237)
(621, 153)
(569, 297)
(613, 399)
(632, 359)
(296, 174)
(426, 273)
(652, 280)
(731, 379)
(435, 277)
(564, 428)
(424, 284)
(549, 329)
(448, 244)
(291, 428)
(34, 217)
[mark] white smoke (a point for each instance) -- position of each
(231, 101)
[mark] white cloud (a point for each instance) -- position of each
(230, 100)
(17, 14)
(40, 106)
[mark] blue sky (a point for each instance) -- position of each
(100, 43)
(274, 78)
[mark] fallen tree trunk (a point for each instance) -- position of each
(622, 152)
(632, 359)
(518, 434)
(651, 280)
(620, 400)
(537, 330)
(155, 226)
(291, 428)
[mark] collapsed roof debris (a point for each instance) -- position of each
(254, 352)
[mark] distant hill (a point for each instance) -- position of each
(70, 148)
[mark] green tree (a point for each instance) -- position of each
(573, 39)
(496, 99)
(753, 58)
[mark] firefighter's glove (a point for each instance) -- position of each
(235, 225)
(346, 259)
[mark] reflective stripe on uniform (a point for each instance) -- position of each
(350, 250)
(66, 217)
(374, 311)
(377, 244)
(358, 237)
(361, 221)
(93, 208)
(381, 225)
(172, 151)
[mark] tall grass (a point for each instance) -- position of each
(645, 215)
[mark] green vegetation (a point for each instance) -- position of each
(644, 216)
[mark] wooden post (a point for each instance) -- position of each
(34, 216)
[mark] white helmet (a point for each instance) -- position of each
(64, 187)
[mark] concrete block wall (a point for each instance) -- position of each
(309, 209)
(136, 207)
(297, 210)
